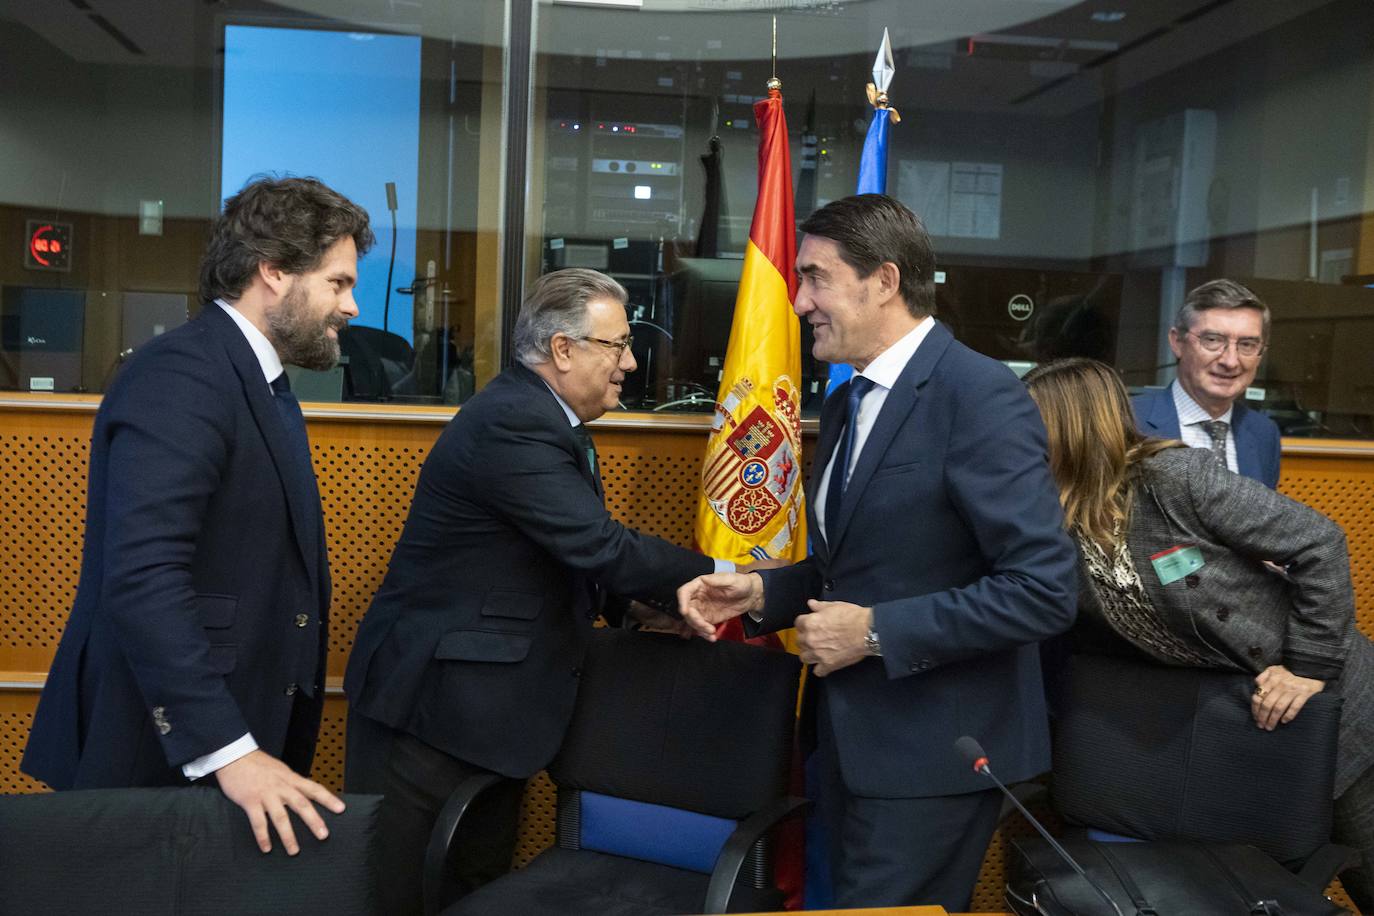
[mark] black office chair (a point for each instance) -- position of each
(1162, 775)
(178, 852)
(378, 362)
(671, 778)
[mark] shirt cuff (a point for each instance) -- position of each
(204, 766)
(723, 565)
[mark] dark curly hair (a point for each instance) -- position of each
(288, 222)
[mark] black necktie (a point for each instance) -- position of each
(584, 439)
(289, 409)
(844, 453)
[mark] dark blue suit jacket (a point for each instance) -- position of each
(201, 609)
(1257, 436)
(475, 640)
(951, 530)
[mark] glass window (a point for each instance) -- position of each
(1080, 167)
(125, 125)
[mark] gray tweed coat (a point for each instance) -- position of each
(1237, 610)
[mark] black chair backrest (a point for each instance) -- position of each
(706, 727)
(179, 852)
(377, 360)
(1160, 752)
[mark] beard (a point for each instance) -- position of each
(299, 336)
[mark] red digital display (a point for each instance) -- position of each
(48, 245)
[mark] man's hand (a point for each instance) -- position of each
(710, 600)
(831, 637)
(1280, 695)
(655, 621)
(264, 788)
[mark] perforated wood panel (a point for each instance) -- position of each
(16, 716)
(537, 814)
(1343, 490)
(42, 509)
(367, 472)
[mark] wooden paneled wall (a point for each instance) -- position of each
(367, 461)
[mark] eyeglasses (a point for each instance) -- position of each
(1217, 343)
(620, 346)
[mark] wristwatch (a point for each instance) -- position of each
(871, 644)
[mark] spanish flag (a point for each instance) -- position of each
(751, 486)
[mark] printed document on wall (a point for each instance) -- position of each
(953, 199)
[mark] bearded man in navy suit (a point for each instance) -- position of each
(938, 562)
(196, 646)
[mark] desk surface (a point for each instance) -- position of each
(885, 911)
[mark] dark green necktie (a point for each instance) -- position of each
(584, 439)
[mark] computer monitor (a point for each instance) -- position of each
(41, 332)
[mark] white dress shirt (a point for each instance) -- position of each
(1191, 416)
(271, 368)
(883, 372)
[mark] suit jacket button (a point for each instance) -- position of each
(1256, 653)
(1191, 581)
(291, 689)
(922, 665)
(1223, 613)
(164, 727)
(577, 672)
(828, 585)
(302, 620)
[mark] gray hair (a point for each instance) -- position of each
(1220, 294)
(557, 303)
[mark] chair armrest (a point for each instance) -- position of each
(737, 846)
(445, 828)
(1324, 864)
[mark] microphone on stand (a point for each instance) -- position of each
(973, 753)
(391, 265)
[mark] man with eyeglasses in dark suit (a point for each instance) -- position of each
(467, 662)
(1219, 338)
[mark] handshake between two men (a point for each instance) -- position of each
(833, 635)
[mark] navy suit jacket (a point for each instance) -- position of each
(475, 640)
(1257, 436)
(951, 529)
(201, 609)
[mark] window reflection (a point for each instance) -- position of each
(1079, 173)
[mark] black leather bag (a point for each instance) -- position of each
(1158, 879)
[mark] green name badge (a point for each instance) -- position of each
(1176, 562)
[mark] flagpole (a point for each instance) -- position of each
(773, 81)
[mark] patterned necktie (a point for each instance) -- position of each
(1217, 430)
(844, 454)
(584, 439)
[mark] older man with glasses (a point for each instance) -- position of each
(467, 662)
(1219, 338)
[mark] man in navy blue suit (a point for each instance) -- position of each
(938, 562)
(467, 662)
(196, 644)
(1219, 338)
